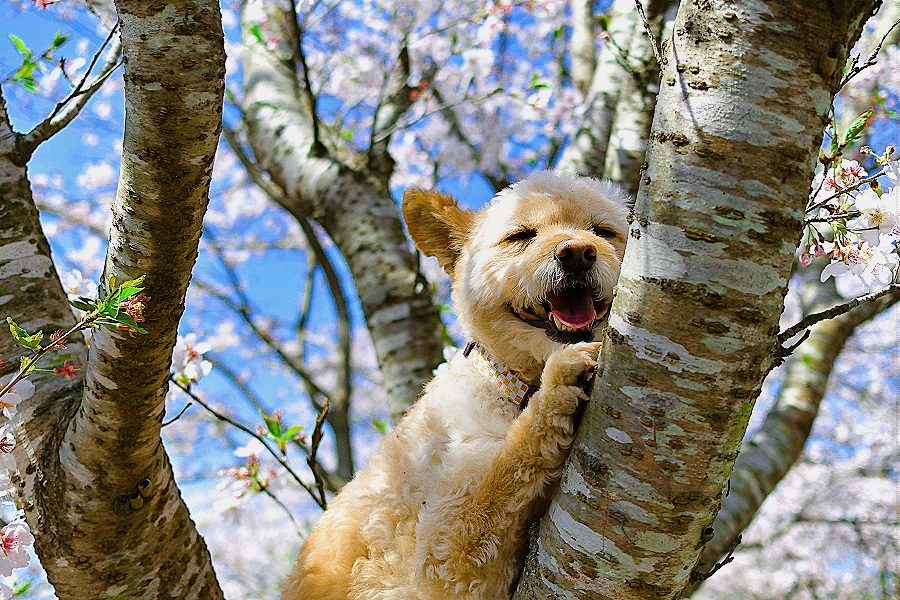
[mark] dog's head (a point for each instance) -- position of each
(533, 269)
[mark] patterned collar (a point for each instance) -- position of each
(511, 387)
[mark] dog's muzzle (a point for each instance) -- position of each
(568, 315)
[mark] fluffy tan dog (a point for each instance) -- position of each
(442, 511)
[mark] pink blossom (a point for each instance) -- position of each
(15, 539)
(187, 359)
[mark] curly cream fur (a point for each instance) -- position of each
(442, 511)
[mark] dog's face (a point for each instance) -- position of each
(532, 270)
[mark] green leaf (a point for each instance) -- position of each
(127, 293)
(32, 342)
(21, 588)
(134, 283)
(59, 39)
(292, 432)
(380, 426)
(25, 72)
(82, 303)
(856, 128)
(125, 319)
(254, 30)
(536, 82)
(24, 368)
(20, 45)
(833, 148)
(272, 424)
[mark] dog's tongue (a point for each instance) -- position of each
(574, 308)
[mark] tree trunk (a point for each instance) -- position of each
(768, 456)
(716, 224)
(586, 154)
(353, 205)
(637, 100)
(89, 446)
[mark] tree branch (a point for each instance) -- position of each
(583, 44)
(68, 108)
(279, 458)
(586, 152)
(834, 311)
(356, 210)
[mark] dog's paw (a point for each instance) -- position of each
(571, 365)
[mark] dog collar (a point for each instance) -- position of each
(511, 387)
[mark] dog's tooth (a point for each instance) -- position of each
(556, 321)
(539, 311)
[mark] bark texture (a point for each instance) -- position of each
(768, 456)
(353, 204)
(586, 153)
(713, 234)
(583, 44)
(630, 127)
(89, 444)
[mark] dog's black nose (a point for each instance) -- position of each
(575, 256)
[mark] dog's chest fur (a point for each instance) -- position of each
(429, 463)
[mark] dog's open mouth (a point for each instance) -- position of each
(568, 315)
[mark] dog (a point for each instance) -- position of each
(443, 509)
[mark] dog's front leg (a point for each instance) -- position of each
(479, 540)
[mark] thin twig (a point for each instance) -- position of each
(278, 457)
(244, 312)
(856, 70)
(649, 30)
(178, 416)
(834, 311)
(85, 323)
(313, 450)
(846, 190)
(317, 149)
(236, 381)
(386, 134)
(80, 94)
(456, 129)
(835, 217)
(265, 490)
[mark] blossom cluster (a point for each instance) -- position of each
(855, 221)
(248, 477)
(188, 363)
(15, 536)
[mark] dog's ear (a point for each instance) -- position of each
(437, 224)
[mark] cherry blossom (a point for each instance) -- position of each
(22, 390)
(15, 540)
(187, 359)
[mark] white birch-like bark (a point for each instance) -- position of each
(85, 445)
(637, 100)
(746, 89)
(583, 44)
(768, 456)
(353, 205)
(586, 152)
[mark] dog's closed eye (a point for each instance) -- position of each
(604, 232)
(521, 235)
